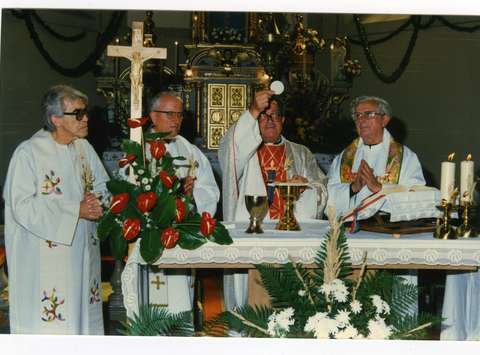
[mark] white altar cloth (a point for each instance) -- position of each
(409, 251)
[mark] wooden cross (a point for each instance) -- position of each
(157, 282)
(137, 54)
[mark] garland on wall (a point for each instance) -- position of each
(414, 21)
(90, 61)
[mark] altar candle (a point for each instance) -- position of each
(447, 181)
(176, 56)
(466, 178)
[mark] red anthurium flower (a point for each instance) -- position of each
(169, 237)
(119, 202)
(180, 213)
(167, 179)
(131, 228)
(126, 160)
(136, 122)
(146, 201)
(158, 149)
(207, 224)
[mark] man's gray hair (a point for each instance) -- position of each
(155, 101)
(53, 103)
(382, 105)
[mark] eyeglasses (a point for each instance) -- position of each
(274, 116)
(367, 115)
(171, 114)
(79, 113)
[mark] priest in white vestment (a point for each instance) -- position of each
(53, 254)
(252, 153)
(166, 113)
(373, 159)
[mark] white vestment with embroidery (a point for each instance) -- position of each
(53, 256)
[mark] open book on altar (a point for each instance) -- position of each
(403, 203)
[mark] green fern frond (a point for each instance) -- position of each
(413, 327)
(153, 320)
(281, 283)
(248, 320)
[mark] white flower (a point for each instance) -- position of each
(343, 318)
(148, 187)
(279, 322)
(134, 163)
(302, 293)
(340, 291)
(350, 332)
(377, 329)
(336, 289)
(356, 307)
(321, 325)
(380, 305)
(145, 180)
(141, 171)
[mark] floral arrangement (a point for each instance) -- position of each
(326, 302)
(352, 68)
(225, 35)
(151, 207)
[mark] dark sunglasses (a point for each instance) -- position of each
(79, 113)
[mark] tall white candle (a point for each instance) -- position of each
(466, 179)
(447, 181)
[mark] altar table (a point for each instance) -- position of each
(417, 251)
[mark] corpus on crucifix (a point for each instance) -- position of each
(137, 54)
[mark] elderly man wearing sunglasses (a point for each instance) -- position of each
(53, 254)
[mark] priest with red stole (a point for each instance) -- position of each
(252, 154)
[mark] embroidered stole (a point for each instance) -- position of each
(392, 169)
(272, 164)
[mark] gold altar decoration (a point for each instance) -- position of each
(290, 192)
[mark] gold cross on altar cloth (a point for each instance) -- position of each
(157, 282)
(137, 54)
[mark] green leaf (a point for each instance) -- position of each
(155, 135)
(150, 246)
(220, 235)
(164, 212)
(132, 147)
(119, 186)
(105, 225)
(118, 245)
(189, 240)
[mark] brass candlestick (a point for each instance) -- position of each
(257, 207)
(444, 229)
(290, 193)
(466, 230)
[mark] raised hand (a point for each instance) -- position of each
(188, 183)
(261, 102)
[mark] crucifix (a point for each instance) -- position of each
(137, 54)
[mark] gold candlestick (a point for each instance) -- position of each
(444, 230)
(466, 230)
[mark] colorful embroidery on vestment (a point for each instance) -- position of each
(50, 310)
(50, 184)
(392, 169)
(94, 292)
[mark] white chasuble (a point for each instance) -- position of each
(53, 256)
(174, 288)
(241, 175)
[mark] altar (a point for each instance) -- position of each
(415, 251)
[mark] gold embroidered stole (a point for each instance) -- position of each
(392, 169)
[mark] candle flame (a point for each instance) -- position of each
(469, 157)
(451, 156)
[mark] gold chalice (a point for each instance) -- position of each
(290, 192)
(257, 207)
